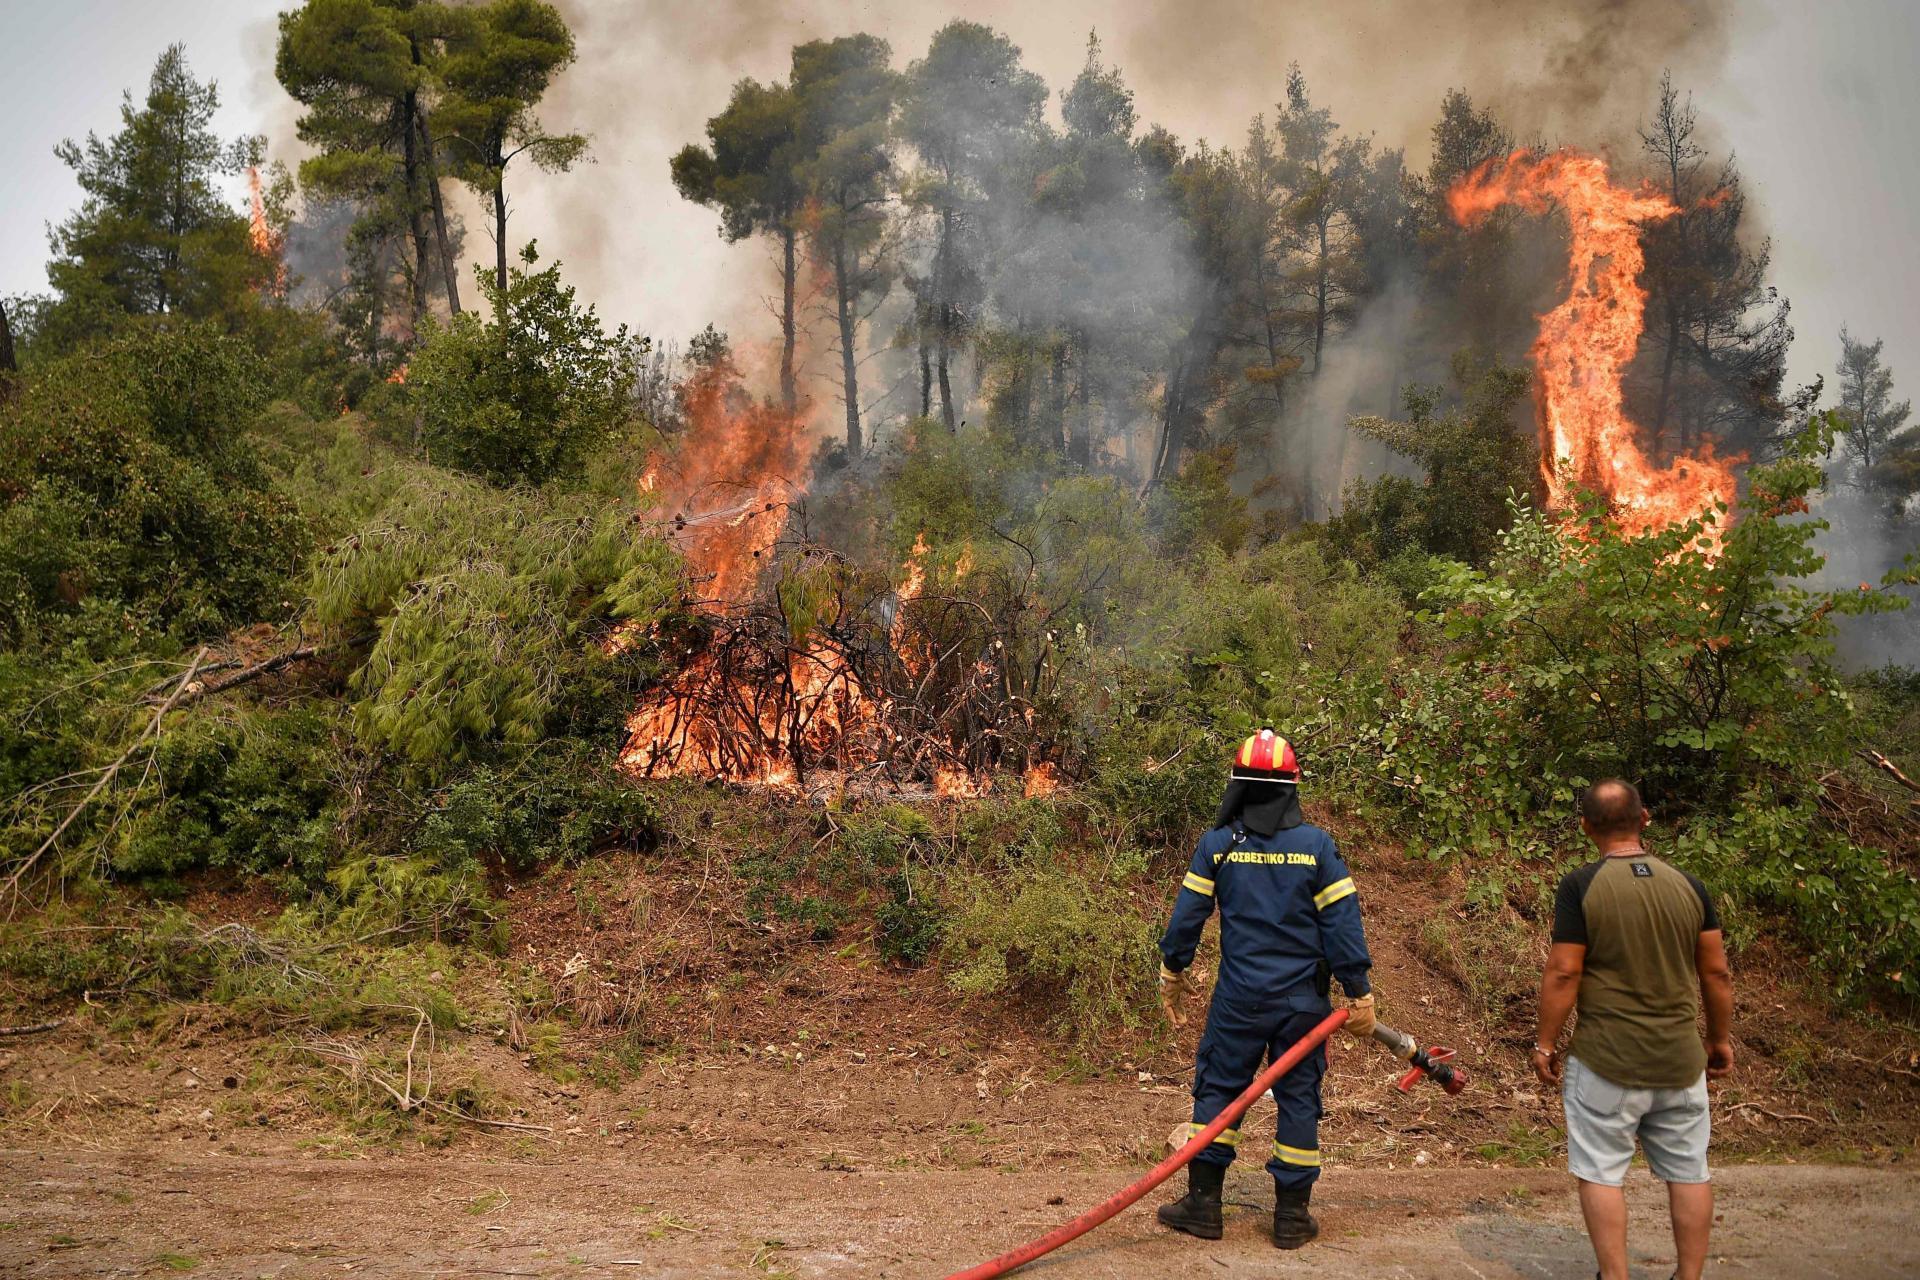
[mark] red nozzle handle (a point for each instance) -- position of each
(1435, 1062)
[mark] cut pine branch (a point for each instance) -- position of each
(146, 734)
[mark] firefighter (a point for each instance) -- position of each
(1289, 920)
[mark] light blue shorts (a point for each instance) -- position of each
(1604, 1118)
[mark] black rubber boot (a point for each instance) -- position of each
(1293, 1226)
(1198, 1212)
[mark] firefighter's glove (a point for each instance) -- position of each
(1174, 989)
(1360, 1021)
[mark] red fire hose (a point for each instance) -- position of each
(1165, 1169)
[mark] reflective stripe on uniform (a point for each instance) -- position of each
(1302, 1156)
(1227, 1138)
(1334, 892)
(1198, 883)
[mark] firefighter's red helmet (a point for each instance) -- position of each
(1266, 757)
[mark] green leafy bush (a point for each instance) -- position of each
(908, 925)
(560, 804)
(129, 493)
(1694, 666)
(247, 790)
(1857, 911)
(1474, 458)
(528, 394)
(1051, 932)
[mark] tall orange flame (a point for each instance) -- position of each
(1586, 342)
(266, 241)
(726, 490)
(912, 654)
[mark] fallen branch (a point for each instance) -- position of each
(457, 1114)
(186, 678)
(1888, 767)
(247, 675)
(1771, 1115)
(33, 1030)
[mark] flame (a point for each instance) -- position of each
(1042, 779)
(266, 241)
(913, 654)
(953, 783)
(727, 491)
(750, 701)
(729, 484)
(1585, 343)
(399, 376)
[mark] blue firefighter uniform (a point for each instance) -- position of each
(1289, 915)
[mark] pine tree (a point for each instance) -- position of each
(498, 68)
(366, 71)
(845, 91)
(969, 109)
(1717, 333)
(751, 173)
(154, 234)
(1882, 452)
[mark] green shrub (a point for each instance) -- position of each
(526, 395)
(247, 790)
(1856, 910)
(373, 898)
(127, 481)
(1197, 510)
(908, 925)
(477, 607)
(1474, 458)
(1052, 933)
(559, 804)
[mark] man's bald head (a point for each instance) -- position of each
(1612, 808)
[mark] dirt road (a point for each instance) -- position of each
(158, 1210)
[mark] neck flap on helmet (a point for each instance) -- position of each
(1261, 807)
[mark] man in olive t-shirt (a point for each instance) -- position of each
(1633, 938)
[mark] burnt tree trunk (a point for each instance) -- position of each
(1080, 435)
(448, 271)
(946, 383)
(943, 287)
(416, 216)
(1057, 398)
(1320, 287)
(926, 366)
(1173, 416)
(1666, 374)
(1191, 362)
(849, 375)
(789, 393)
(500, 230)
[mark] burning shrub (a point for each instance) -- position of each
(1689, 656)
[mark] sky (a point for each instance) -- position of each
(1817, 101)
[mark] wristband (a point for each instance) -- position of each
(1541, 1048)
